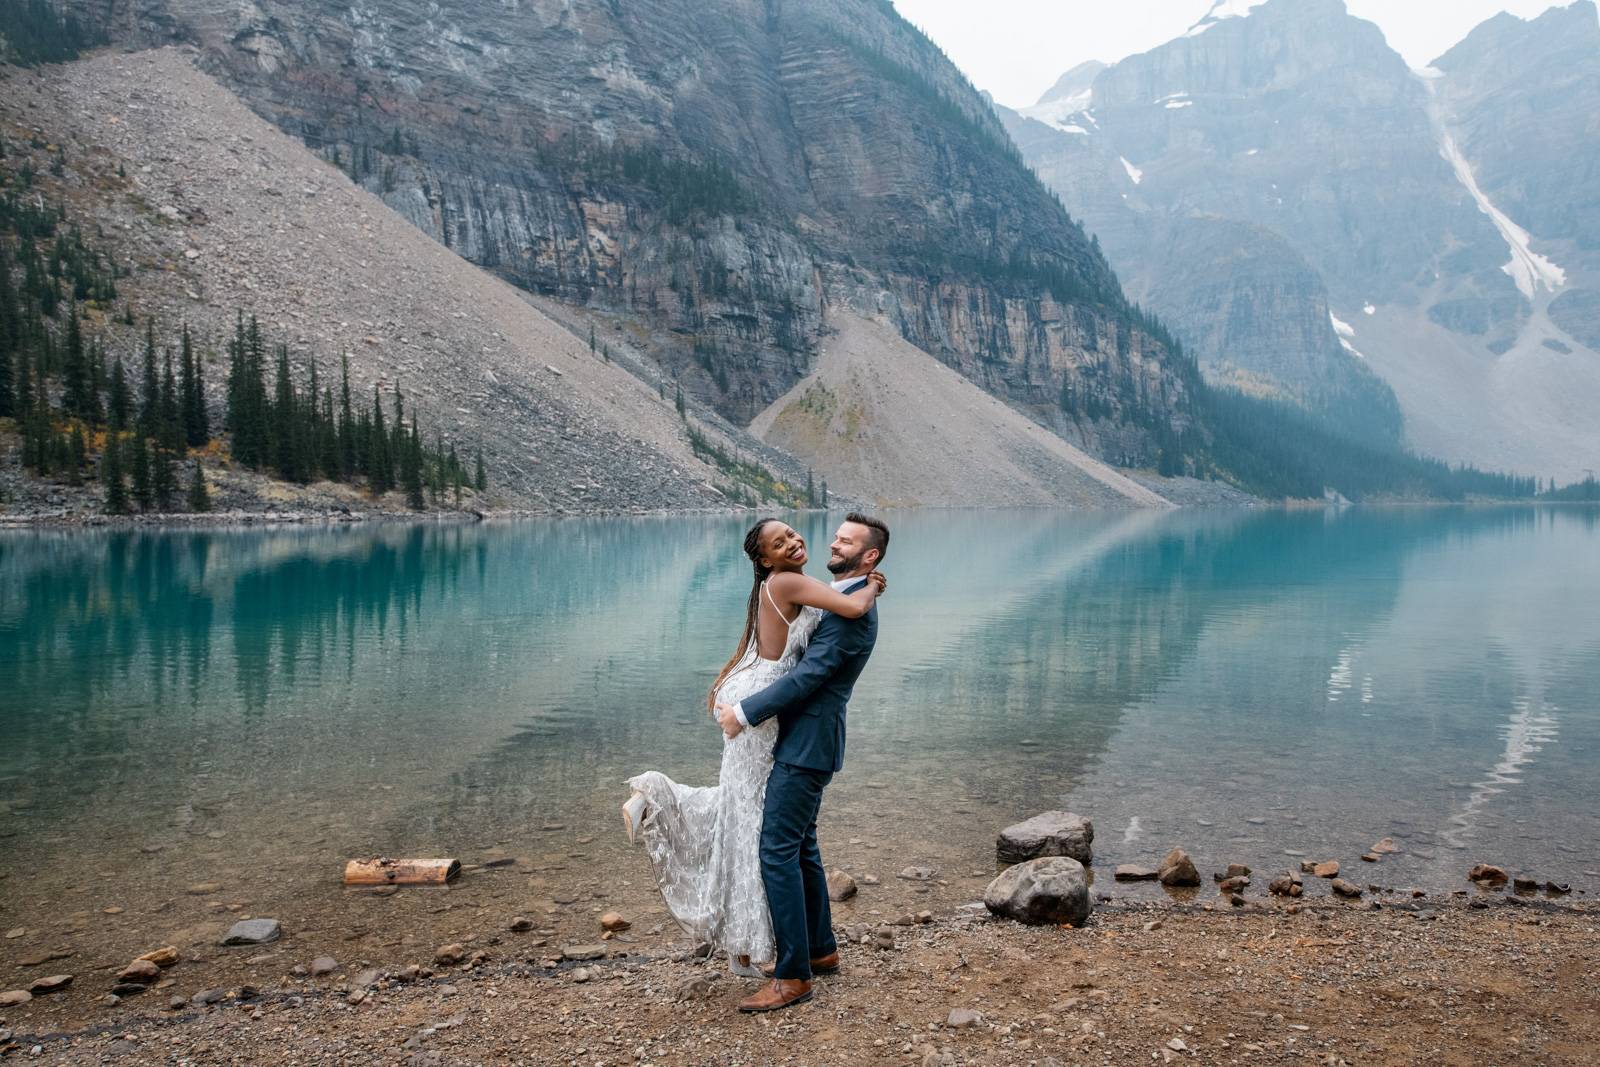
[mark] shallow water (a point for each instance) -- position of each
(253, 707)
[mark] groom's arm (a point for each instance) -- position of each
(836, 640)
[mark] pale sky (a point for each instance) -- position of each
(1016, 49)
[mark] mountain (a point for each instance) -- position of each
(1318, 222)
(711, 177)
(252, 222)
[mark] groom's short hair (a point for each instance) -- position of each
(877, 532)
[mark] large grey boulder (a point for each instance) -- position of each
(1054, 890)
(1051, 833)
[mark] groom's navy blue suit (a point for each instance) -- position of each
(810, 703)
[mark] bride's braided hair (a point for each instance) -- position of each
(752, 548)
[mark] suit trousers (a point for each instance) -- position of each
(791, 869)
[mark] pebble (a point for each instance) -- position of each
(12, 997)
(521, 924)
(165, 956)
(1343, 888)
(583, 952)
(1133, 872)
(50, 984)
(323, 965)
(201, 889)
(449, 955)
(253, 932)
(208, 996)
(1488, 873)
(140, 972)
(1177, 869)
(1325, 869)
(963, 1018)
(613, 922)
(841, 886)
(919, 874)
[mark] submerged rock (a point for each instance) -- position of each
(1132, 872)
(1344, 888)
(1050, 833)
(1054, 889)
(1489, 874)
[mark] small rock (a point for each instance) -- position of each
(254, 932)
(1370, 857)
(522, 924)
(204, 889)
(919, 874)
(612, 922)
(1345, 889)
(1385, 847)
(840, 886)
(924, 917)
(162, 957)
(1153, 924)
(1326, 869)
(1132, 872)
(50, 984)
(1523, 883)
(583, 952)
(1050, 833)
(1489, 874)
(1285, 885)
(366, 978)
(12, 997)
(139, 972)
(355, 996)
(208, 996)
(1232, 885)
(323, 965)
(1177, 869)
(1558, 888)
(1177, 1045)
(127, 989)
(963, 1018)
(449, 955)
(1050, 890)
(1235, 870)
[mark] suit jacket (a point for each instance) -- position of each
(810, 701)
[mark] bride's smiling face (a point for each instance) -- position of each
(781, 548)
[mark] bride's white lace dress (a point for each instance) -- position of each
(703, 841)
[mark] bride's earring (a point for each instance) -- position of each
(633, 816)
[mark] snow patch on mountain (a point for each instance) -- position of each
(1134, 173)
(1222, 10)
(1526, 267)
(1057, 112)
(1341, 327)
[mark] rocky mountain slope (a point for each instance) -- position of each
(1306, 211)
(713, 177)
(210, 211)
(876, 410)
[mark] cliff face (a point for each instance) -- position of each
(713, 174)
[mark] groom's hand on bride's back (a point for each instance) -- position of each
(728, 720)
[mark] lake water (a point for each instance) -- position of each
(250, 708)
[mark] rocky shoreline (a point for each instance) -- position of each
(1326, 982)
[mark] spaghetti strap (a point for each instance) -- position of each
(774, 603)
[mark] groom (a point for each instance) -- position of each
(810, 704)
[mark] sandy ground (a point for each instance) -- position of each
(1496, 981)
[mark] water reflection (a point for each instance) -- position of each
(1240, 682)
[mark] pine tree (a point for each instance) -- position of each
(378, 464)
(117, 398)
(111, 474)
(347, 435)
(150, 394)
(75, 370)
(10, 334)
(163, 479)
(285, 456)
(191, 396)
(170, 414)
(139, 460)
(480, 478)
(22, 400)
(811, 489)
(411, 467)
(79, 455)
(591, 338)
(397, 439)
(329, 459)
(199, 496)
(95, 414)
(678, 403)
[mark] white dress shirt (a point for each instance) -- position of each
(839, 586)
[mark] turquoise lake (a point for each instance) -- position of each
(251, 707)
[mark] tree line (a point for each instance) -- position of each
(82, 415)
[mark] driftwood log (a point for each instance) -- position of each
(382, 870)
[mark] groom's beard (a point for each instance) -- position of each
(845, 566)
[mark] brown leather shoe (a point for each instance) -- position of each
(778, 994)
(820, 965)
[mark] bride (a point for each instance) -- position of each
(703, 840)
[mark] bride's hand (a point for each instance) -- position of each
(877, 578)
